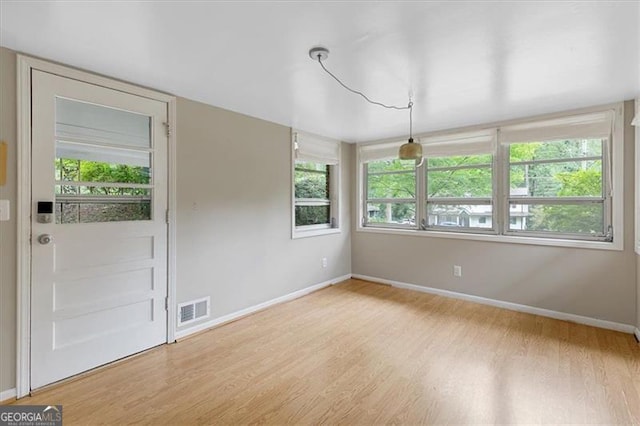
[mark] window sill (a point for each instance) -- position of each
(306, 233)
(593, 245)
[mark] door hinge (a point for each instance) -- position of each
(166, 216)
(166, 303)
(167, 127)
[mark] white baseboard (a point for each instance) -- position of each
(8, 394)
(609, 325)
(180, 334)
(637, 333)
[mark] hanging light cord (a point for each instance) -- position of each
(366, 98)
(410, 106)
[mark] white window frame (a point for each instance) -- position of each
(492, 201)
(418, 185)
(636, 123)
(605, 200)
(501, 205)
(329, 152)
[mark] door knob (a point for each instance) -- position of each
(45, 239)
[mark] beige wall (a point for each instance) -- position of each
(234, 213)
(594, 283)
(8, 229)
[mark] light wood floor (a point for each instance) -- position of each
(369, 354)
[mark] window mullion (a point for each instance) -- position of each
(391, 200)
(421, 195)
(460, 201)
(502, 184)
(607, 187)
(555, 200)
(464, 167)
(555, 160)
(365, 195)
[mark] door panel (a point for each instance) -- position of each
(98, 288)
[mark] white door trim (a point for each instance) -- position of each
(23, 277)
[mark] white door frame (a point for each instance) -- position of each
(23, 277)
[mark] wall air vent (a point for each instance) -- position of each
(193, 311)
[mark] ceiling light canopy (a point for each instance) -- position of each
(409, 150)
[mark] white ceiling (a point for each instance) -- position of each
(464, 62)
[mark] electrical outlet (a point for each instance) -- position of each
(324, 262)
(457, 270)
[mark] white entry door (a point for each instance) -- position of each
(98, 227)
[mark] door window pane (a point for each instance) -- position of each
(108, 211)
(73, 170)
(96, 123)
(103, 164)
(103, 191)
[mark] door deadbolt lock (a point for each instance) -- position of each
(45, 212)
(45, 239)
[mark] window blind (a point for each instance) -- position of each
(316, 149)
(592, 125)
(379, 151)
(75, 151)
(468, 143)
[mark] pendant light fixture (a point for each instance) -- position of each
(409, 150)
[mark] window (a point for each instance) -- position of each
(313, 206)
(391, 192)
(558, 177)
(558, 187)
(315, 185)
(390, 198)
(101, 175)
(459, 181)
(547, 179)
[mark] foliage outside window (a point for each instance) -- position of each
(460, 192)
(312, 193)
(93, 191)
(391, 192)
(558, 187)
(550, 178)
